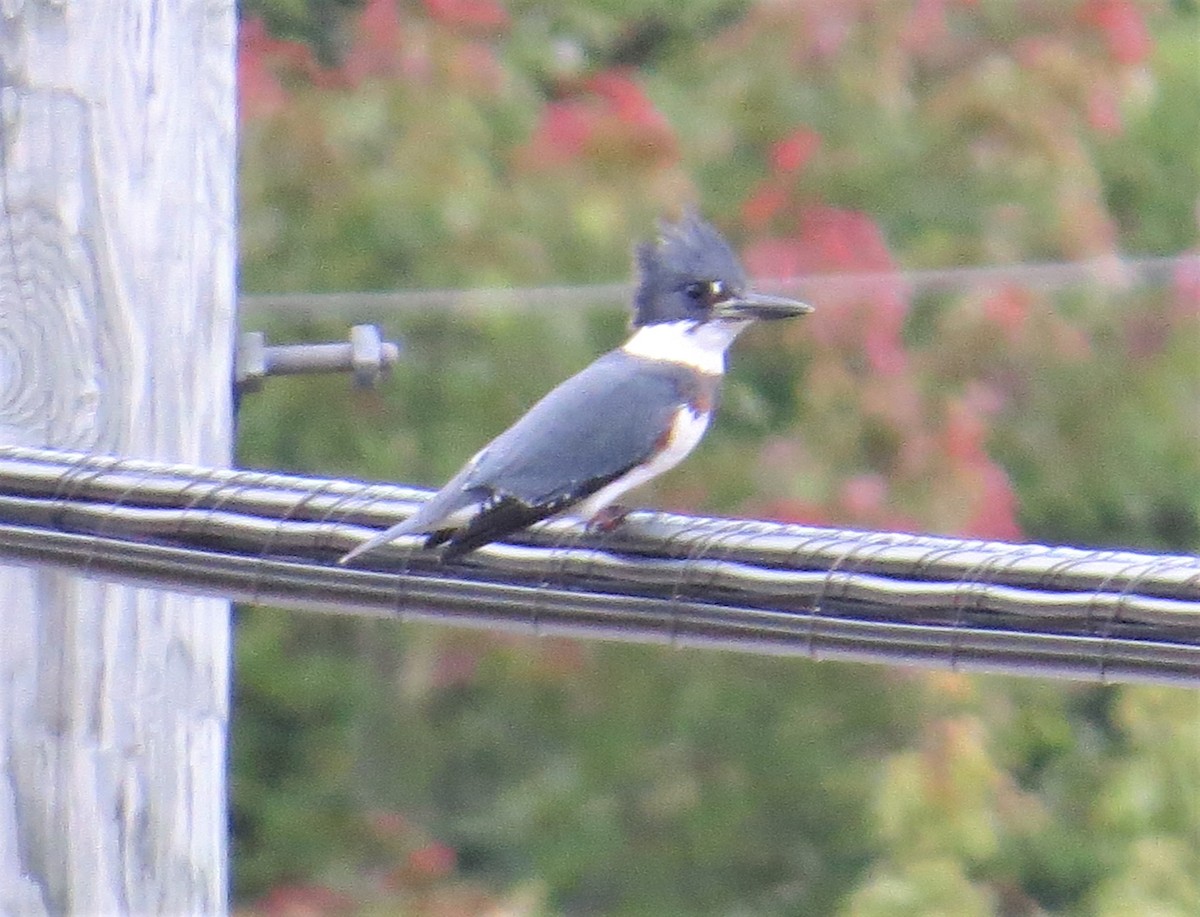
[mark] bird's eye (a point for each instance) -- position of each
(707, 292)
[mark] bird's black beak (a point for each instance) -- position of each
(758, 305)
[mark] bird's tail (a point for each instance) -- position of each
(400, 528)
(447, 509)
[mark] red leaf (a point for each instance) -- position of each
(964, 436)
(1121, 24)
(561, 134)
(864, 497)
(472, 15)
(792, 153)
(609, 117)
(844, 240)
(835, 240)
(625, 97)
(828, 26)
(995, 514)
(763, 206)
(1009, 310)
(926, 26)
(1103, 112)
(260, 93)
(433, 861)
(774, 258)
(300, 900)
(377, 42)
(261, 60)
(883, 346)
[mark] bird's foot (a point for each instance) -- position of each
(608, 518)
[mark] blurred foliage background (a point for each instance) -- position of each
(386, 768)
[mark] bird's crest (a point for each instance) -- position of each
(686, 252)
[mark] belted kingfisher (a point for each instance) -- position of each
(631, 415)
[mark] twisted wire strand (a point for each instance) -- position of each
(747, 585)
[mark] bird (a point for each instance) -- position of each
(634, 413)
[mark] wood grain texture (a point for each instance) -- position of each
(117, 138)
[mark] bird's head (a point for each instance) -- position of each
(690, 274)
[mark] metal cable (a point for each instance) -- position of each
(739, 584)
(1110, 272)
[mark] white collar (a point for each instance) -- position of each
(698, 345)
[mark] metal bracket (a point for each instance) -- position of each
(366, 355)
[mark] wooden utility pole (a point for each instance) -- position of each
(117, 134)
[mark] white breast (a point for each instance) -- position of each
(686, 432)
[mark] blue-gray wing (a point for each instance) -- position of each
(585, 433)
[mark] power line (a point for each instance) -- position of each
(1108, 272)
(744, 585)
